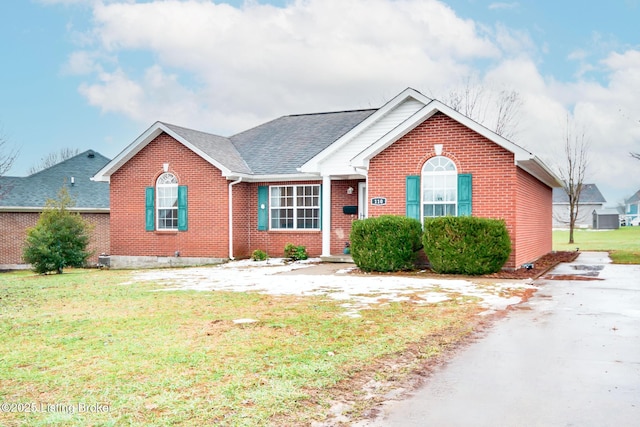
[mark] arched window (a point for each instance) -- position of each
(167, 201)
(439, 187)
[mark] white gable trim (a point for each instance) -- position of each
(522, 158)
(142, 141)
(362, 159)
(314, 164)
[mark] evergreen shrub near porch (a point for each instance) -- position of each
(466, 245)
(386, 243)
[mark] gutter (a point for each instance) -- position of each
(231, 184)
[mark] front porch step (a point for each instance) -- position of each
(337, 258)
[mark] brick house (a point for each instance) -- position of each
(22, 199)
(184, 196)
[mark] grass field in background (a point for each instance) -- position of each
(622, 244)
(164, 358)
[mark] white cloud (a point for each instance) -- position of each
(223, 69)
(273, 61)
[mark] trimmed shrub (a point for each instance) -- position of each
(259, 255)
(295, 253)
(466, 245)
(385, 243)
(59, 239)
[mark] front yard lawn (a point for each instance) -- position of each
(622, 244)
(85, 348)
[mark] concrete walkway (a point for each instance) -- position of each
(568, 357)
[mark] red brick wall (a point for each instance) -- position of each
(340, 222)
(13, 232)
(208, 227)
(496, 180)
(247, 238)
(274, 241)
(534, 219)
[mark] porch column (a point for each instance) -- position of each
(326, 215)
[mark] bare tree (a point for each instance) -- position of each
(635, 155)
(7, 157)
(496, 109)
(53, 159)
(573, 171)
(7, 154)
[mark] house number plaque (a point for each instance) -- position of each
(379, 201)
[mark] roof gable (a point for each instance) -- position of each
(215, 149)
(377, 124)
(75, 174)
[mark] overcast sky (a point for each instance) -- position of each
(93, 74)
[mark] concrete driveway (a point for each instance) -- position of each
(570, 356)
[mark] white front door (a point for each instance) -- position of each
(362, 200)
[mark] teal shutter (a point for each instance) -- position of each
(150, 222)
(413, 197)
(263, 208)
(182, 208)
(464, 194)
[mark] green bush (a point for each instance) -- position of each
(386, 243)
(466, 245)
(294, 252)
(259, 255)
(59, 239)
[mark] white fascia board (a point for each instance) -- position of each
(425, 113)
(362, 159)
(313, 164)
(125, 155)
(538, 169)
(274, 177)
(142, 141)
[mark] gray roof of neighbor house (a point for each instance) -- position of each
(589, 195)
(33, 191)
(633, 199)
(283, 145)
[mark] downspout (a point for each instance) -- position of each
(231, 184)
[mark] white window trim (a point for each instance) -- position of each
(424, 173)
(295, 208)
(173, 182)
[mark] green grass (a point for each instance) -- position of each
(622, 244)
(177, 358)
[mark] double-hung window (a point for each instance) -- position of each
(439, 187)
(167, 201)
(294, 207)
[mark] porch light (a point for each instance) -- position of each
(165, 167)
(350, 190)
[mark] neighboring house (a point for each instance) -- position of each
(303, 179)
(632, 210)
(22, 200)
(590, 199)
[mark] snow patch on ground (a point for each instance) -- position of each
(359, 292)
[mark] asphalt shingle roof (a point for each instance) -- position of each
(34, 190)
(217, 147)
(633, 199)
(590, 194)
(283, 145)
